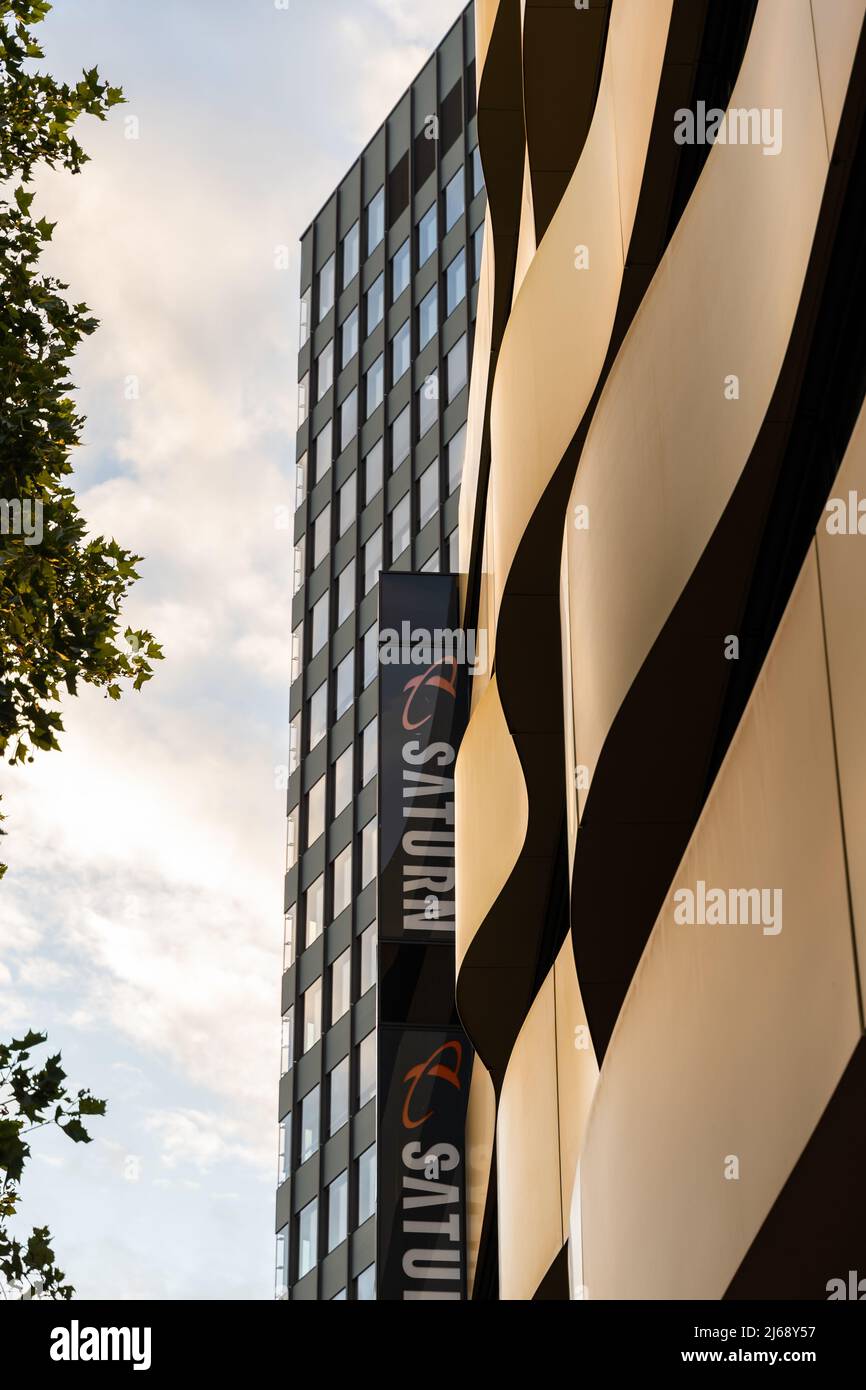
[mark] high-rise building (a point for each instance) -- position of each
(660, 813)
(389, 272)
(646, 801)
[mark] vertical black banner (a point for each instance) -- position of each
(425, 1059)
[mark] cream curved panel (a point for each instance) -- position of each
(713, 1067)
(668, 442)
(837, 29)
(576, 1071)
(554, 345)
(527, 1154)
(842, 561)
(637, 38)
(526, 247)
(572, 806)
(485, 18)
(491, 815)
(480, 1134)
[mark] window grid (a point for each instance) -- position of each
(354, 469)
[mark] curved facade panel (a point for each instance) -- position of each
(663, 418)
(683, 442)
(730, 1010)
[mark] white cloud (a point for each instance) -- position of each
(194, 1139)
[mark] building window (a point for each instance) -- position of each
(456, 450)
(319, 626)
(325, 370)
(368, 853)
(326, 288)
(373, 472)
(341, 985)
(342, 781)
(375, 303)
(400, 355)
(371, 654)
(322, 451)
(401, 438)
(431, 565)
(309, 1124)
(338, 1109)
(400, 270)
(287, 1042)
(351, 253)
(304, 331)
(318, 706)
(372, 560)
(455, 282)
(428, 494)
(342, 881)
(300, 550)
(289, 939)
(348, 505)
(292, 838)
(284, 1161)
(281, 1282)
(369, 751)
(365, 1285)
(427, 236)
(346, 592)
(300, 480)
(455, 199)
(375, 220)
(349, 418)
(321, 535)
(294, 743)
(428, 405)
(349, 338)
(401, 530)
(314, 918)
(345, 685)
(338, 1210)
(477, 250)
(457, 366)
(366, 1070)
(315, 813)
(303, 398)
(312, 1014)
(297, 652)
(368, 957)
(428, 318)
(477, 172)
(366, 1184)
(308, 1238)
(375, 384)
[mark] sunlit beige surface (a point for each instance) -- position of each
(842, 560)
(530, 1212)
(480, 1132)
(666, 446)
(730, 1041)
(491, 817)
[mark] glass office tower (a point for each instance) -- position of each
(389, 270)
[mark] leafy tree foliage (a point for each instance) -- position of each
(61, 598)
(29, 1099)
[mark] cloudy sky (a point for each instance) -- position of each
(140, 921)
